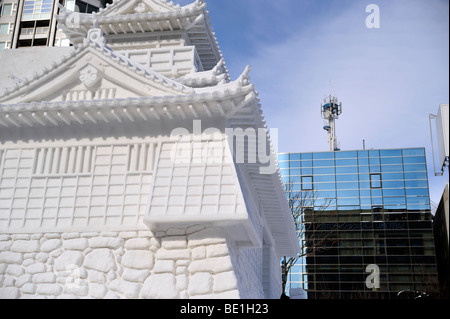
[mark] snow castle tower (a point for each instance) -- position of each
(132, 166)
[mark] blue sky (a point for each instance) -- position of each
(388, 79)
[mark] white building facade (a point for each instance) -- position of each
(132, 166)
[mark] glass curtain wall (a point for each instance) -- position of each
(364, 208)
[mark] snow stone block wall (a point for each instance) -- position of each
(181, 263)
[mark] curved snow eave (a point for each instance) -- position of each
(79, 19)
(216, 76)
(167, 5)
(243, 81)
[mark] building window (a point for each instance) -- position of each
(34, 33)
(37, 10)
(31, 31)
(5, 28)
(84, 7)
(3, 46)
(70, 5)
(375, 180)
(307, 183)
(8, 9)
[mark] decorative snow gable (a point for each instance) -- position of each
(108, 143)
(92, 72)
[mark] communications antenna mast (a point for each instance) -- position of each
(331, 109)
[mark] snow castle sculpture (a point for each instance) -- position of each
(132, 166)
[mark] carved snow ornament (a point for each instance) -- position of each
(90, 77)
(140, 8)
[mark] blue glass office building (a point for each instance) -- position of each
(367, 207)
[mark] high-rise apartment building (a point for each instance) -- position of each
(362, 208)
(29, 23)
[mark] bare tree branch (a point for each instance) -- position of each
(304, 210)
